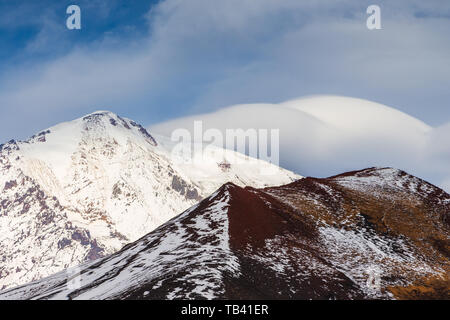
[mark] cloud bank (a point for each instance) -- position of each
(326, 135)
(200, 55)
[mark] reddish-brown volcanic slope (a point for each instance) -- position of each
(377, 233)
(383, 223)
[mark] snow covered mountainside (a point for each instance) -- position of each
(83, 189)
(377, 233)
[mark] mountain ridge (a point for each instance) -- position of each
(311, 239)
(83, 189)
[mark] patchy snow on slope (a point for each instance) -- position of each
(222, 247)
(198, 243)
(384, 179)
(364, 256)
(282, 257)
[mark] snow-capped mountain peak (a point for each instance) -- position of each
(84, 188)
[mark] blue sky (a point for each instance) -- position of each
(157, 60)
(25, 23)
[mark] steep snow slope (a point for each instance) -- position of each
(85, 188)
(375, 233)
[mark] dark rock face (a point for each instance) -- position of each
(10, 185)
(179, 185)
(113, 122)
(116, 191)
(145, 133)
(40, 137)
(4, 204)
(82, 236)
(96, 252)
(43, 133)
(11, 145)
(64, 243)
(124, 123)
(95, 117)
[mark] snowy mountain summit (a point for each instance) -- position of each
(83, 189)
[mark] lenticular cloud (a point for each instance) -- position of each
(325, 135)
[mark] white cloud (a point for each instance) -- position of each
(321, 136)
(446, 185)
(201, 55)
